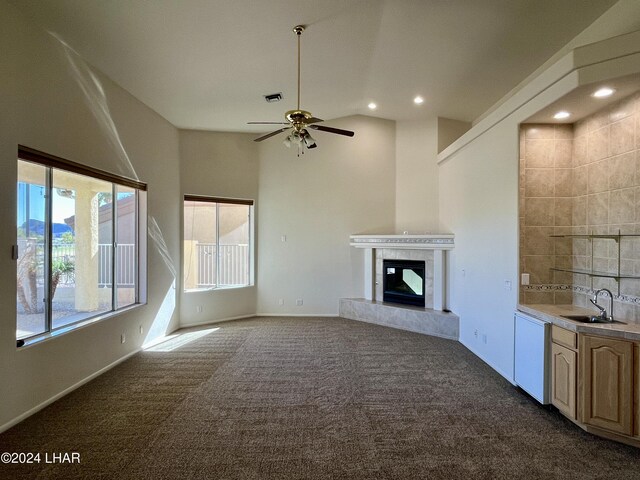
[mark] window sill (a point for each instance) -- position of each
(217, 289)
(43, 337)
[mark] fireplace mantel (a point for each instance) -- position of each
(439, 243)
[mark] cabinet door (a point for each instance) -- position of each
(636, 394)
(563, 379)
(607, 376)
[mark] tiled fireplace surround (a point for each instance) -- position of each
(581, 179)
(431, 320)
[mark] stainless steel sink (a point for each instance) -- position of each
(589, 319)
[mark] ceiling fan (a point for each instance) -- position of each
(300, 121)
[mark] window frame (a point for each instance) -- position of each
(251, 254)
(51, 162)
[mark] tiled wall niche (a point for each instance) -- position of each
(578, 179)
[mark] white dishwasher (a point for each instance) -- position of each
(531, 356)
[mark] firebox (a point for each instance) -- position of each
(403, 281)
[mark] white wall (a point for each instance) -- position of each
(44, 107)
(221, 165)
(417, 176)
(345, 186)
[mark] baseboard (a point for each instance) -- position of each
(208, 322)
(477, 354)
(67, 390)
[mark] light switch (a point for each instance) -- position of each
(524, 279)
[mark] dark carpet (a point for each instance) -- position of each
(310, 398)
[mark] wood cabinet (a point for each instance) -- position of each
(606, 366)
(563, 379)
(636, 393)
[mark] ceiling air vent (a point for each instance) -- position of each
(274, 97)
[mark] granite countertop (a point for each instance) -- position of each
(552, 314)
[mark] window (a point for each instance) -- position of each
(78, 249)
(217, 242)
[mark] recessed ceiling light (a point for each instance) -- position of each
(418, 100)
(603, 92)
(561, 115)
(372, 106)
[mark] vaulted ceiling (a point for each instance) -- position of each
(205, 64)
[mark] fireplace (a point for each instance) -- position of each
(403, 281)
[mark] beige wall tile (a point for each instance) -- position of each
(580, 180)
(622, 109)
(598, 209)
(562, 155)
(539, 130)
(539, 268)
(580, 246)
(563, 298)
(562, 278)
(622, 206)
(598, 119)
(580, 299)
(637, 203)
(580, 129)
(537, 241)
(533, 297)
(563, 261)
(579, 151)
(622, 171)
(598, 173)
(563, 131)
(598, 144)
(579, 216)
(539, 182)
(563, 246)
(539, 211)
(623, 312)
(622, 136)
(564, 182)
(539, 153)
(600, 247)
(563, 211)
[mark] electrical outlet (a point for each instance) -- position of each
(507, 285)
(281, 301)
(525, 279)
(283, 238)
(123, 338)
(299, 302)
(475, 333)
(199, 309)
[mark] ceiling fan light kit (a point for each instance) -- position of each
(299, 121)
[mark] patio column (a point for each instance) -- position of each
(86, 268)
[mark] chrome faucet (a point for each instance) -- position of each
(603, 311)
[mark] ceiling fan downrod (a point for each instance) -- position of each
(298, 29)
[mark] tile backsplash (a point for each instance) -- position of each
(581, 179)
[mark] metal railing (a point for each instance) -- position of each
(125, 266)
(233, 265)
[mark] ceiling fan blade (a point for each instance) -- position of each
(268, 135)
(267, 123)
(322, 128)
(313, 120)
